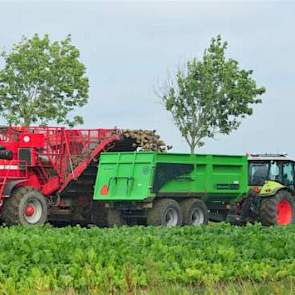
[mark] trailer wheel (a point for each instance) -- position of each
(278, 210)
(25, 206)
(115, 218)
(165, 212)
(194, 212)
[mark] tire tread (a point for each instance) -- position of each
(155, 214)
(11, 205)
(268, 208)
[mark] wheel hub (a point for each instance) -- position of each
(171, 217)
(197, 217)
(33, 211)
(30, 210)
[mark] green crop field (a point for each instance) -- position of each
(141, 260)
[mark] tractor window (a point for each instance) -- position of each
(258, 173)
(274, 173)
(288, 177)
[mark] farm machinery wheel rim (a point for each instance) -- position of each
(29, 210)
(33, 211)
(197, 216)
(284, 212)
(171, 217)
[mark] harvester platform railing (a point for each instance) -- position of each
(60, 154)
(64, 149)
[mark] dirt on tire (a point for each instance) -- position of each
(13, 207)
(188, 206)
(156, 215)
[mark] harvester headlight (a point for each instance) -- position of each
(27, 139)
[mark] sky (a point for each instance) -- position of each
(131, 48)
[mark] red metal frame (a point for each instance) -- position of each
(57, 155)
(11, 172)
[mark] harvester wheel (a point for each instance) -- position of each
(194, 212)
(278, 210)
(25, 206)
(115, 218)
(165, 212)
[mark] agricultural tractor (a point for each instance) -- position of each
(271, 179)
(96, 176)
(173, 189)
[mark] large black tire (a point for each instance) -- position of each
(165, 212)
(194, 212)
(278, 210)
(25, 206)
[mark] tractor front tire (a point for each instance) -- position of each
(194, 212)
(165, 212)
(25, 206)
(278, 210)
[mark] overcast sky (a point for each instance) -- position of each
(129, 48)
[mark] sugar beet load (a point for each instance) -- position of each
(50, 173)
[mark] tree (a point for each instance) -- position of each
(42, 81)
(210, 96)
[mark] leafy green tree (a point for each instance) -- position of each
(211, 95)
(42, 81)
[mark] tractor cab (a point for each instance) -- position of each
(275, 167)
(271, 198)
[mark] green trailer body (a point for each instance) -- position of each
(141, 176)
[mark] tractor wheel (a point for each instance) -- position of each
(165, 212)
(114, 218)
(25, 206)
(278, 210)
(194, 212)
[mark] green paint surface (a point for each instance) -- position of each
(136, 176)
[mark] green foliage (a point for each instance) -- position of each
(211, 96)
(45, 259)
(42, 81)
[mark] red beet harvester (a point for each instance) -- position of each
(50, 171)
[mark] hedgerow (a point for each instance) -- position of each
(47, 259)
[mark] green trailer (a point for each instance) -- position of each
(169, 188)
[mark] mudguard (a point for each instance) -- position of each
(10, 186)
(270, 188)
